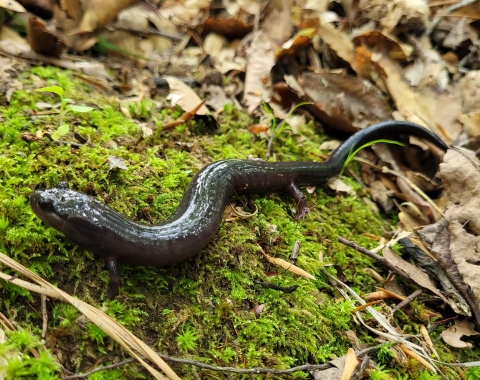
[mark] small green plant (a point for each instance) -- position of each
(66, 314)
(380, 374)
(65, 108)
(187, 339)
(19, 363)
(385, 354)
(425, 375)
(98, 335)
(370, 143)
(472, 373)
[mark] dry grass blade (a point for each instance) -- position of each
(391, 333)
(287, 266)
(117, 332)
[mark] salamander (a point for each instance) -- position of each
(96, 227)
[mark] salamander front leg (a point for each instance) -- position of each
(114, 271)
(301, 200)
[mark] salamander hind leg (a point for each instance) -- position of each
(114, 271)
(300, 199)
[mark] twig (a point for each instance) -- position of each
(99, 369)
(445, 12)
(6, 322)
(407, 300)
(255, 371)
(43, 299)
(373, 255)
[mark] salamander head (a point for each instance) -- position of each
(57, 205)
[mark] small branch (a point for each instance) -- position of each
(254, 371)
(407, 300)
(107, 367)
(373, 255)
(43, 299)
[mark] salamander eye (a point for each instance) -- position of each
(44, 204)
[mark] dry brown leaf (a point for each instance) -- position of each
(12, 5)
(296, 44)
(408, 222)
(339, 42)
(421, 106)
(230, 28)
(426, 211)
(472, 11)
(217, 99)
(461, 32)
(381, 42)
(391, 13)
(184, 96)
(11, 42)
(333, 373)
(340, 186)
(351, 363)
(460, 176)
(415, 274)
(99, 13)
(277, 24)
(452, 335)
(344, 102)
(257, 79)
(379, 193)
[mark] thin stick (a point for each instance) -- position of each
(373, 255)
(43, 299)
(259, 370)
(407, 300)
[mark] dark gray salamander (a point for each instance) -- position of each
(96, 227)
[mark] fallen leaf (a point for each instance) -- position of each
(184, 96)
(452, 335)
(344, 102)
(412, 13)
(257, 77)
(116, 163)
(416, 275)
(257, 309)
(338, 185)
(12, 5)
(99, 13)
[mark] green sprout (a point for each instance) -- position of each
(65, 108)
(370, 143)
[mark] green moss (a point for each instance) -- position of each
(23, 356)
(201, 308)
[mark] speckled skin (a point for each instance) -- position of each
(94, 226)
